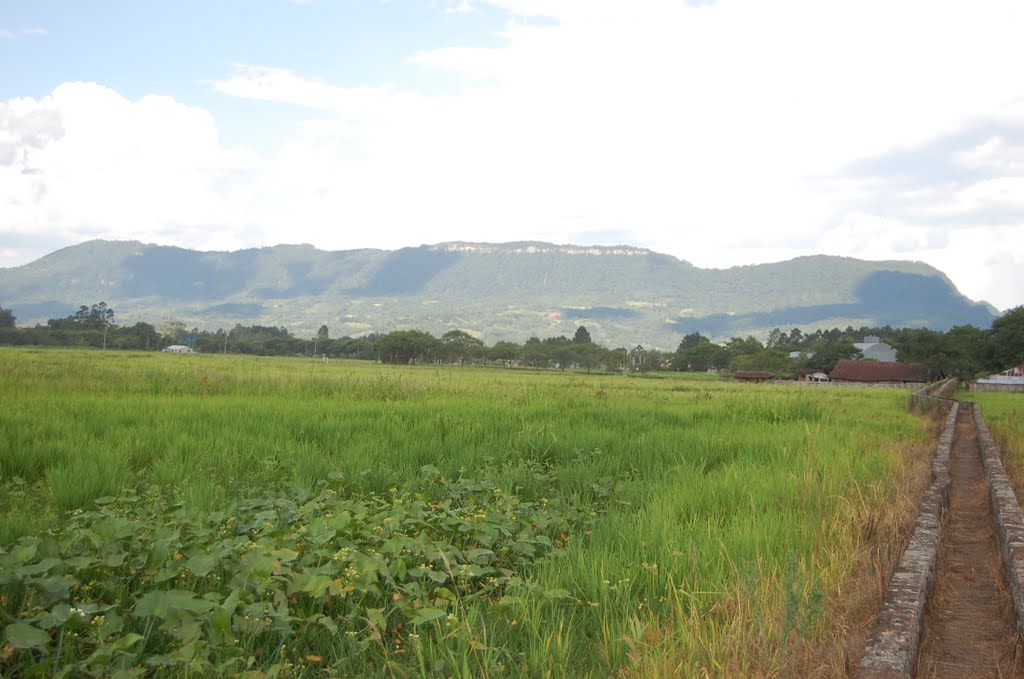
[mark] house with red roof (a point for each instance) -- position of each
(878, 372)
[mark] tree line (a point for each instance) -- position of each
(962, 351)
(90, 326)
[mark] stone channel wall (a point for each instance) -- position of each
(933, 396)
(891, 651)
(1008, 519)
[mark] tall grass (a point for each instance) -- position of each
(721, 512)
(1004, 413)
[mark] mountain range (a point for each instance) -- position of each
(497, 291)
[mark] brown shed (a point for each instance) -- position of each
(877, 371)
(753, 375)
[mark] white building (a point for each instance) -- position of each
(874, 349)
(178, 349)
(1008, 380)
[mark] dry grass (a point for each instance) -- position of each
(881, 526)
(855, 603)
(1011, 456)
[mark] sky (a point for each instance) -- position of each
(722, 132)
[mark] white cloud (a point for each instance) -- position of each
(718, 134)
(460, 7)
(90, 163)
(265, 83)
(1000, 193)
(9, 33)
(995, 153)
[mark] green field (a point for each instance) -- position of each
(218, 514)
(1004, 413)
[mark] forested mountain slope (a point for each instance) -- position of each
(624, 295)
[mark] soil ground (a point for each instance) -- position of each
(969, 626)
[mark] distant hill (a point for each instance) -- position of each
(624, 295)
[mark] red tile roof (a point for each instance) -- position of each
(878, 371)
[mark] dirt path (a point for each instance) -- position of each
(969, 623)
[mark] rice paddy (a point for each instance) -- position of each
(1004, 413)
(168, 515)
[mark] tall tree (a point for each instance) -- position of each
(967, 348)
(582, 336)
(739, 346)
(177, 331)
(506, 352)
(564, 355)
(6, 318)
(697, 353)
(694, 339)
(406, 346)
(592, 356)
(825, 356)
(97, 317)
(639, 359)
(1006, 342)
(458, 345)
(536, 353)
(139, 336)
(768, 360)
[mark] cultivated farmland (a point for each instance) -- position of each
(1004, 413)
(218, 514)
